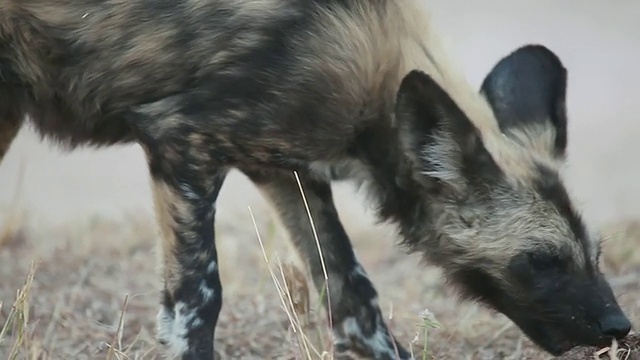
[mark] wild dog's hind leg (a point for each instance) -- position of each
(358, 324)
(186, 184)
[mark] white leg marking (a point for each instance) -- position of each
(213, 266)
(207, 292)
(164, 324)
(379, 343)
(173, 330)
(188, 192)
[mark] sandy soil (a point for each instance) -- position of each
(89, 203)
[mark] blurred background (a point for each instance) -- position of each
(89, 202)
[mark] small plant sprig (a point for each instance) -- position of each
(428, 321)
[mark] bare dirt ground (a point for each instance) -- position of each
(85, 218)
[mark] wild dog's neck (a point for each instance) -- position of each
(398, 197)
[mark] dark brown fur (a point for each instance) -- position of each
(333, 89)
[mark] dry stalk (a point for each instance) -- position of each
(282, 292)
(55, 316)
(115, 348)
(298, 286)
(317, 240)
(296, 282)
(18, 318)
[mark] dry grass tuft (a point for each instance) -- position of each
(293, 289)
(15, 330)
(115, 348)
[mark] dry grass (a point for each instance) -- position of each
(629, 349)
(91, 292)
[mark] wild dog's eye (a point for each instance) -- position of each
(542, 260)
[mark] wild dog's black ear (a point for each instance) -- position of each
(436, 135)
(527, 90)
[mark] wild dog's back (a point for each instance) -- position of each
(278, 68)
(88, 62)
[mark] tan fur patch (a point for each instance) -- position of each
(258, 8)
(540, 140)
(168, 205)
(374, 46)
(507, 233)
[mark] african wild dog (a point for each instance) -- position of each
(334, 89)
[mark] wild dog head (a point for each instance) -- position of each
(501, 223)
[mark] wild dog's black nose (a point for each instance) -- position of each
(616, 325)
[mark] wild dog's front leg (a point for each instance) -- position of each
(192, 295)
(187, 178)
(358, 324)
(185, 187)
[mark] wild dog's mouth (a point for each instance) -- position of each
(557, 339)
(561, 347)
